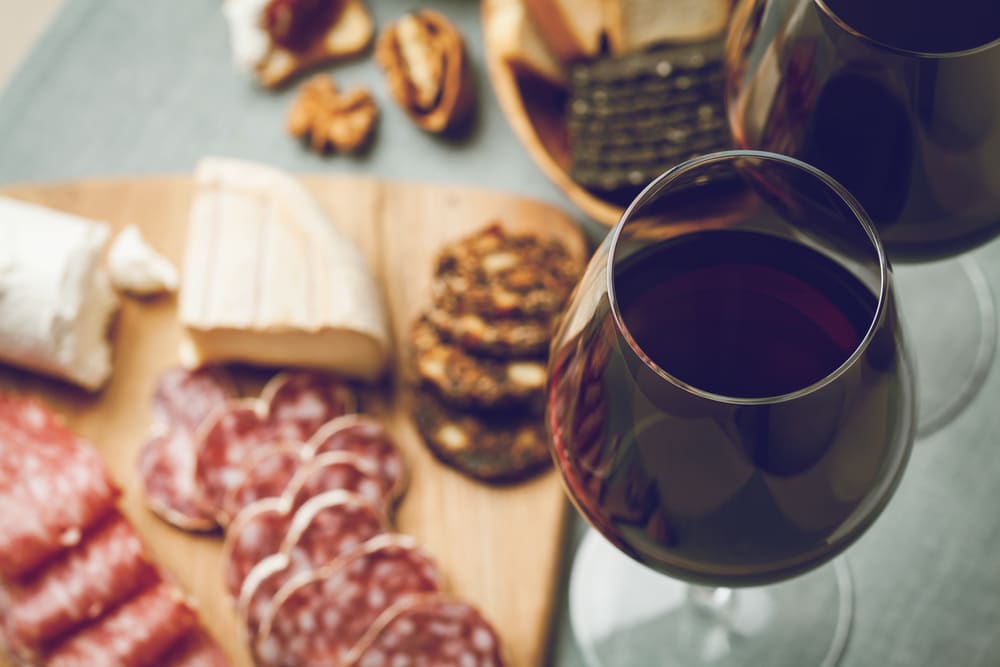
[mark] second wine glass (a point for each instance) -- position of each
(898, 100)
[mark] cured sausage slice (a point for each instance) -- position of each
(195, 649)
(53, 486)
(328, 526)
(325, 528)
(262, 583)
(367, 438)
(109, 566)
(318, 617)
(256, 533)
(182, 403)
(135, 634)
(185, 398)
(307, 398)
(340, 470)
(291, 408)
(265, 475)
(428, 630)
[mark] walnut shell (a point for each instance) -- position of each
(428, 70)
(331, 120)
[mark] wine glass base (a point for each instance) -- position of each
(624, 614)
(951, 319)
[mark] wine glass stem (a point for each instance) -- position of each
(715, 602)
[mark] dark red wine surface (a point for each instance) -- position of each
(922, 26)
(722, 491)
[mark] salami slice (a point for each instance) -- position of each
(265, 475)
(195, 649)
(135, 634)
(259, 588)
(185, 398)
(256, 533)
(340, 470)
(183, 402)
(367, 438)
(307, 398)
(329, 526)
(166, 468)
(319, 616)
(291, 408)
(325, 528)
(53, 486)
(428, 630)
(109, 566)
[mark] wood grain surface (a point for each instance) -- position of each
(499, 547)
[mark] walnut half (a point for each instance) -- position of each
(330, 120)
(427, 69)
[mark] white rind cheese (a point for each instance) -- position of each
(136, 268)
(56, 301)
(268, 278)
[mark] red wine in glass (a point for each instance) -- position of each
(730, 399)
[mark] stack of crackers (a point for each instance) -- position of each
(480, 351)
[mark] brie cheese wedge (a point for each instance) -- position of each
(269, 279)
(56, 301)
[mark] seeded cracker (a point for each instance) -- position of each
(500, 337)
(468, 381)
(494, 448)
(495, 274)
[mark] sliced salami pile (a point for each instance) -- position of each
(78, 587)
(304, 488)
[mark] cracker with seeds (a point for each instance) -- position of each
(494, 273)
(501, 337)
(469, 381)
(499, 447)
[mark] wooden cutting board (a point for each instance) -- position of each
(499, 547)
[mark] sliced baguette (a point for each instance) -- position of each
(574, 29)
(515, 38)
(635, 24)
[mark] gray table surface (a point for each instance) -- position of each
(117, 87)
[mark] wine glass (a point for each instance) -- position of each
(730, 403)
(899, 100)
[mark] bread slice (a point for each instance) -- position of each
(515, 38)
(635, 24)
(253, 49)
(573, 28)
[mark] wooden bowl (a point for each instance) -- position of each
(535, 110)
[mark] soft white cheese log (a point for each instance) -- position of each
(56, 301)
(268, 279)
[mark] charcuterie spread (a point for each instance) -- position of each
(265, 432)
(78, 587)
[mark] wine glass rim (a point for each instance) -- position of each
(662, 181)
(928, 55)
